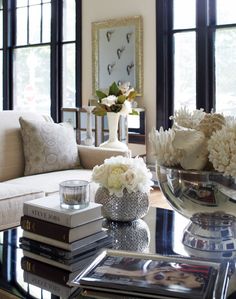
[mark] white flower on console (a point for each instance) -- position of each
(126, 108)
(125, 88)
(110, 100)
(117, 99)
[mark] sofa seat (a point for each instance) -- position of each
(12, 197)
(49, 182)
(13, 193)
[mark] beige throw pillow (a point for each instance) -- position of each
(48, 146)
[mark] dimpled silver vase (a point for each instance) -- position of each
(129, 207)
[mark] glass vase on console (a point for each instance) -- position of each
(89, 140)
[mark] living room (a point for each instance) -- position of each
(158, 90)
(182, 65)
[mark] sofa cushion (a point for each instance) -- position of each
(49, 182)
(48, 146)
(12, 197)
(11, 147)
(91, 156)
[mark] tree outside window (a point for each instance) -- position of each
(41, 56)
(196, 58)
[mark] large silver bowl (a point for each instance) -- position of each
(208, 199)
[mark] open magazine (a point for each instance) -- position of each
(153, 276)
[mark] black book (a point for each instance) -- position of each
(74, 260)
(153, 276)
(66, 246)
(69, 265)
(59, 253)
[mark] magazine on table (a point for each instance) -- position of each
(154, 276)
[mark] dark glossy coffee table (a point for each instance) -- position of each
(159, 232)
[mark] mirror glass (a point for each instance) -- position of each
(117, 53)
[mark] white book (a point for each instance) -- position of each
(67, 246)
(49, 209)
(64, 291)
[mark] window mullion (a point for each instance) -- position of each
(211, 53)
(164, 65)
(202, 77)
(56, 60)
(8, 35)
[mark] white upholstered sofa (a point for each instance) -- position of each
(15, 187)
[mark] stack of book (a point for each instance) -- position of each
(58, 243)
(121, 274)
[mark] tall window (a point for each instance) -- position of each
(43, 55)
(69, 36)
(31, 56)
(196, 57)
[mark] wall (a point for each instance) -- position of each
(98, 10)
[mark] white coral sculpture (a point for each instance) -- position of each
(193, 145)
(210, 123)
(222, 149)
(195, 139)
(162, 147)
(187, 119)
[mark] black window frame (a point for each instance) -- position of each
(205, 60)
(9, 34)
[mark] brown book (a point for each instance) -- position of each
(60, 232)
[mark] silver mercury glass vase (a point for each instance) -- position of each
(208, 199)
(129, 207)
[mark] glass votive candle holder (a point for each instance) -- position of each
(74, 194)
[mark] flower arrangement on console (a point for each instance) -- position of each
(119, 173)
(117, 99)
(197, 141)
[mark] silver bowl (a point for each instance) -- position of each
(208, 199)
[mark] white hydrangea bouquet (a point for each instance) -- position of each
(197, 141)
(119, 173)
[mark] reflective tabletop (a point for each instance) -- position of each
(160, 231)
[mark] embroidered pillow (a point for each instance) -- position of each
(48, 146)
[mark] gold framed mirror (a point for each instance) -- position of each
(117, 53)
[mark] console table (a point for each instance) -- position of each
(165, 228)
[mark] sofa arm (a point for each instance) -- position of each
(91, 156)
